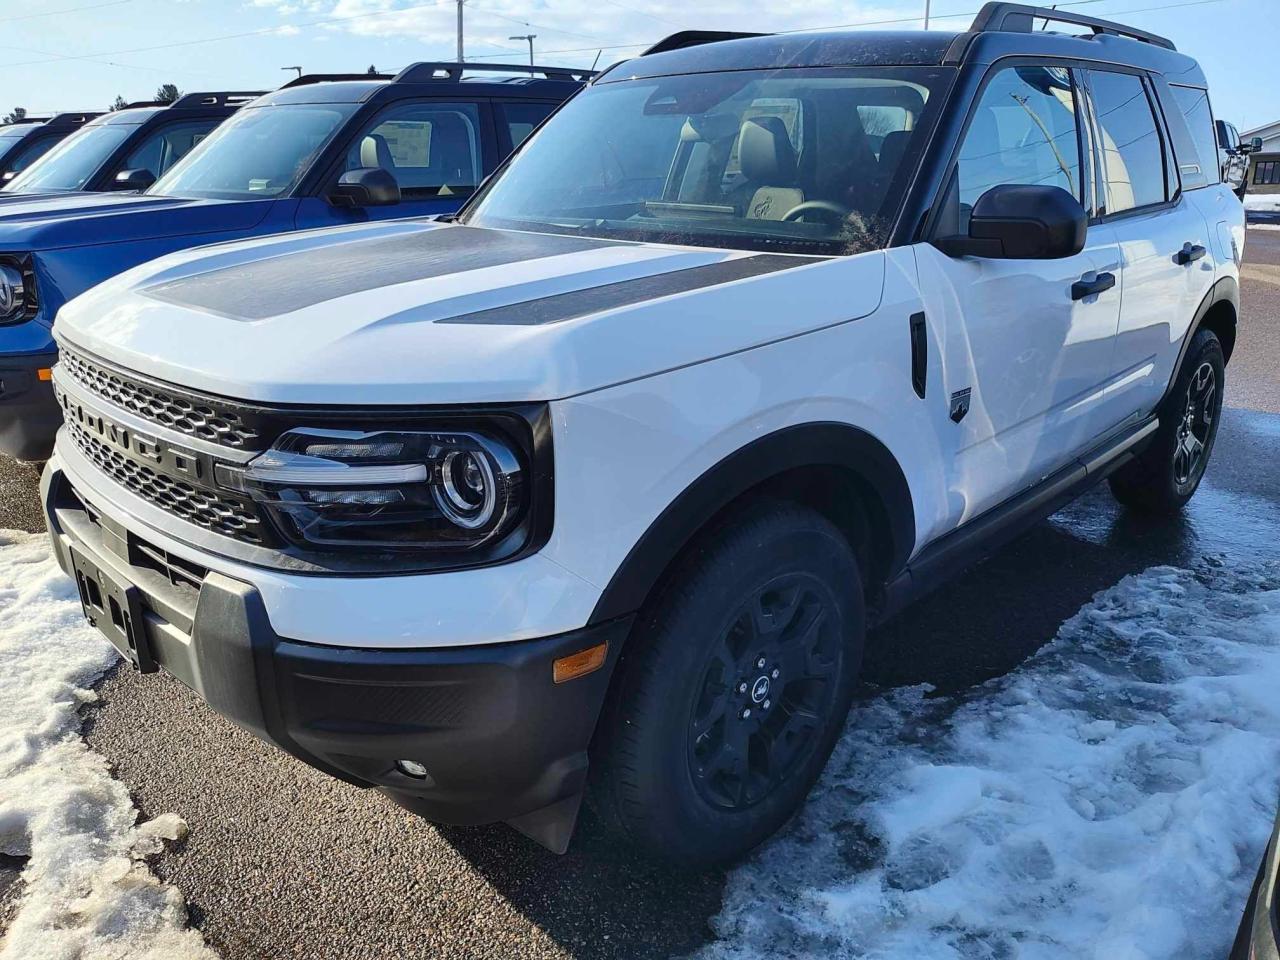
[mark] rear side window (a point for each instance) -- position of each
(1130, 145)
(521, 118)
(432, 149)
(1023, 131)
(1194, 104)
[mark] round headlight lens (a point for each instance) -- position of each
(13, 294)
(467, 493)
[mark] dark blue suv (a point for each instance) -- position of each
(25, 141)
(321, 151)
(128, 149)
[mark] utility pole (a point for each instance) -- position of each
(299, 69)
(460, 53)
(530, 37)
(926, 14)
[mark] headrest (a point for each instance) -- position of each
(709, 127)
(374, 152)
(765, 153)
(893, 147)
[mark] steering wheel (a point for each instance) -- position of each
(829, 211)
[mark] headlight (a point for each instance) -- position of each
(387, 490)
(17, 290)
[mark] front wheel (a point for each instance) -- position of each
(734, 687)
(1168, 472)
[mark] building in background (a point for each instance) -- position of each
(1264, 168)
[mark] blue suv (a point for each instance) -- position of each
(322, 151)
(128, 149)
(25, 141)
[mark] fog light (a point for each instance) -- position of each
(412, 768)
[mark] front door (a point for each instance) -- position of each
(1032, 356)
(437, 152)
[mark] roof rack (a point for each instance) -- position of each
(1020, 18)
(310, 78)
(433, 72)
(229, 98)
(74, 119)
(28, 119)
(696, 38)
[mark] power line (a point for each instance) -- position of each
(56, 13)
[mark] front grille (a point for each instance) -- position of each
(203, 507)
(192, 415)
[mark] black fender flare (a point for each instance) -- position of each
(1226, 290)
(821, 444)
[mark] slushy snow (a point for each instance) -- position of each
(1109, 799)
(87, 891)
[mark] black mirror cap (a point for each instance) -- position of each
(1255, 145)
(1017, 221)
(137, 179)
(365, 187)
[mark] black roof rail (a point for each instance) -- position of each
(310, 78)
(432, 72)
(224, 98)
(696, 38)
(1020, 18)
(74, 119)
(27, 119)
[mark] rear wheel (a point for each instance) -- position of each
(1168, 472)
(734, 687)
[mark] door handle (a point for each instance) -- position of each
(1189, 253)
(1087, 288)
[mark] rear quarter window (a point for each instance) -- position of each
(1193, 102)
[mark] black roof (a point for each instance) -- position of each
(999, 30)
(436, 79)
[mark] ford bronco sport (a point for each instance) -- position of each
(321, 151)
(758, 338)
(25, 141)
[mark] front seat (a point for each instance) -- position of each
(766, 158)
(374, 152)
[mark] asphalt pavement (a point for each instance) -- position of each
(284, 862)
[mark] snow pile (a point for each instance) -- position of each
(87, 892)
(1262, 202)
(1109, 799)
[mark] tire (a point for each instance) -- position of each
(1168, 472)
(705, 752)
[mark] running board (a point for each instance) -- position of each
(975, 540)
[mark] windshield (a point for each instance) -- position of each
(804, 161)
(259, 153)
(71, 164)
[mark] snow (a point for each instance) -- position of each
(87, 892)
(1109, 799)
(1262, 202)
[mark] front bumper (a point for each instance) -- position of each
(29, 414)
(499, 738)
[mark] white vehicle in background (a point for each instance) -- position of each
(1234, 154)
(598, 489)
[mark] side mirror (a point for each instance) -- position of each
(137, 179)
(1254, 145)
(1016, 221)
(365, 187)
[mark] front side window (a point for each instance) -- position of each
(1023, 131)
(432, 149)
(260, 153)
(166, 146)
(1194, 104)
(758, 160)
(72, 162)
(1130, 145)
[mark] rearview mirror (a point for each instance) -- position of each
(365, 187)
(136, 179)
(1016, 221)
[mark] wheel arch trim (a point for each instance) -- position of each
(818, 444)
(1225, 291)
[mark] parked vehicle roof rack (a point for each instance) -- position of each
(431, 72)
(309, 78)
(696, 38)
(73, 119)
(1020, 18)
(21, 120)
(225, 98)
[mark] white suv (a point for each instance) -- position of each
(753, 341)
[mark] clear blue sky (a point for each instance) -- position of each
(79, 54)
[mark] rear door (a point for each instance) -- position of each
(438, 151)
(1028, 360)
(1165, 242)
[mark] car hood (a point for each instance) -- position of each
(416, 312)
(43, 222)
